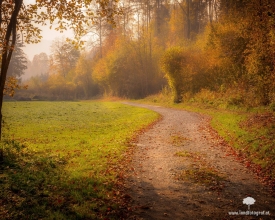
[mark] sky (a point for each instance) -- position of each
(48, 36)
(45, 45)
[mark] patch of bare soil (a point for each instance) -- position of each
(180, 171)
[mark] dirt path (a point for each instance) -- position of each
(181, 172)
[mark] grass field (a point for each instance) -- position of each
(62, 158)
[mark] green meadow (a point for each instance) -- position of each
(61, 159)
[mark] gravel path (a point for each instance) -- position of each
(180, 171)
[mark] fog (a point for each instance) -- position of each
(44, 46)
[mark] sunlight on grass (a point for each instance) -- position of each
(84, 132)
(62, 158)
(227, 125)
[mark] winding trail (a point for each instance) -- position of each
(181, 144)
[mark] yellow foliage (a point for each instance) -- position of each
(176, 31)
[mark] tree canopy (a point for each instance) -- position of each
(223, 47)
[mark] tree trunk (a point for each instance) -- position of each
(188, 20)
(8, 47)
(100, 37)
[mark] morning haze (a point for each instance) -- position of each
(167, 112)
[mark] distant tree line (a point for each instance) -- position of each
(222, 48)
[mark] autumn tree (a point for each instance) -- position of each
(85, 86)
(186, 71)
(223, 46)
(64, 55)
(15, 16)
(97, 30)
(18, 62)
(40, 63)
(260, 53)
